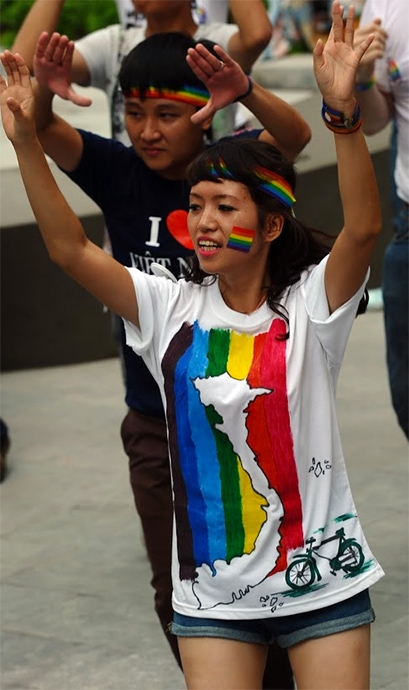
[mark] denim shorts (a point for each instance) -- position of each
(284, 630)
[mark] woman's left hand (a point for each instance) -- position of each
(17, 100)
(222, 76)
(336, 62)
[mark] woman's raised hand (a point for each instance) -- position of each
(17, 100)
(336, 63)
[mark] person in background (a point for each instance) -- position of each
(246, 349)
(382, 90)
(98, 56)
(144, 201)
(4, 448)
(204, 11)
(96, 62)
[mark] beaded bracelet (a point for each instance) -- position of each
(248, 92)
(338, 123)
(368, 85)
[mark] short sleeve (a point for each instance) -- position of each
(154, 295)
(333, 329)
(99, 50)
(140, 339)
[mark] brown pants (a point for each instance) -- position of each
(145, 443)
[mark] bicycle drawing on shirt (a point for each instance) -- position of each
(303, 571)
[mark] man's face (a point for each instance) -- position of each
(163, 135)
(158, 7)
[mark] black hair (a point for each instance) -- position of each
(298, 246)
(160, 61)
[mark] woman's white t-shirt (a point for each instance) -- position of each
(265, 523)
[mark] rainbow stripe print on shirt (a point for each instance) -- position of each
(393, 70)
(233, 466)
(241, 239)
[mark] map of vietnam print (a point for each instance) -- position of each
(234, 473)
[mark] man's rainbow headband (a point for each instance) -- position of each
(187, 94)
(270, 182)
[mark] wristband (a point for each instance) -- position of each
(338, 123)
(248, 92)
(368, 85)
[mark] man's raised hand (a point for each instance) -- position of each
(52, 67)
(222, 76)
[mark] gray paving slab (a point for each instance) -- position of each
(76, 604)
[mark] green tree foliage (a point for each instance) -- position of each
(78, 18)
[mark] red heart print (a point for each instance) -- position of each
(177, 225)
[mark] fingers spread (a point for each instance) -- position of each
(337, 23)
(363, 47)
(69, 51)
(12, 64)
(77, 99)
(205, 61)
(42, 45)
(350, 27)
(14, 106)
(5, 61)
(318, 50)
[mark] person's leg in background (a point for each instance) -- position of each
(277, 672)
(395, 299)
(145, 443)
(4, 448)
(395, 291)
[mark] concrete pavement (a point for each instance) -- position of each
(76, 605)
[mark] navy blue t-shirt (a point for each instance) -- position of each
(141, 210)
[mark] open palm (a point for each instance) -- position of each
(336, 63)
(224, 85)
(16, 99)
(52, 67)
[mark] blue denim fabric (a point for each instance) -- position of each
(286, 631)
(395, 290)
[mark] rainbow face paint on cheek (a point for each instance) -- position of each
(241, 239)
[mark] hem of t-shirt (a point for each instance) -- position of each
(291, 609)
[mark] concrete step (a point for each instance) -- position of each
(289, 72)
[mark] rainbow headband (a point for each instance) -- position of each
(275, 185)
(187, 94)
(270, 182)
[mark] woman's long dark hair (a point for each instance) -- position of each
(298, 246)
